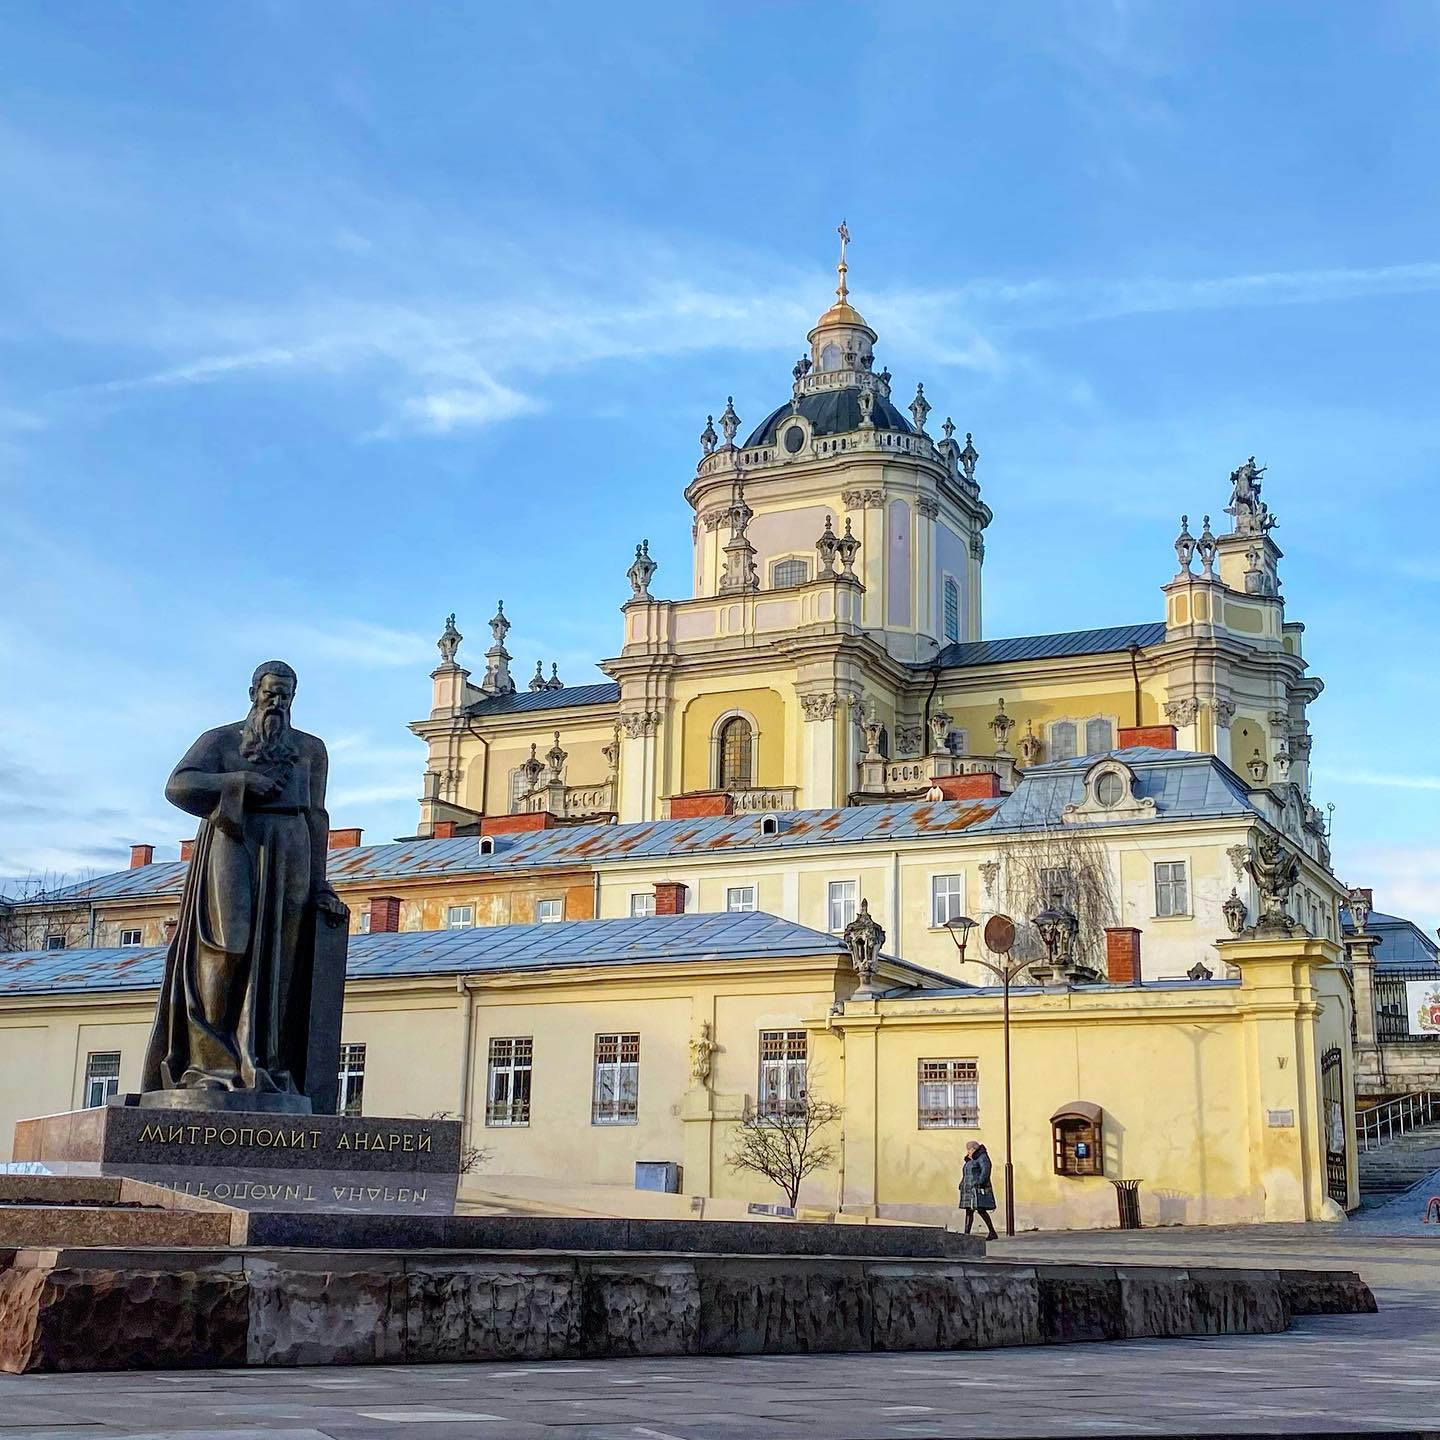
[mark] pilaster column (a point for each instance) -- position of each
(860, 1118)
(822, 714)
(640, 765)
(1369, 1055)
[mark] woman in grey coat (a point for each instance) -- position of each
(976, 1192)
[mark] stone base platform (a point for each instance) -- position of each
(159, 1309)
(109, 1210)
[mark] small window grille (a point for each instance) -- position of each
(952, 610)
(352, 1079)
(737, 750)
(949, 1094)
(785, 573)
(1062, 740)
(615, 1099)
(1099, 736)
(507, 1094)
(783, 1062)
(102, 1077)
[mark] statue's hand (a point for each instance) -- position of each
(261, 787)
(331, 906)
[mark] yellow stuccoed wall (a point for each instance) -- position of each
(583, 740)
(700, 713)
(1187, 1076)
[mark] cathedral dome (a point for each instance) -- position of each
(830, 412)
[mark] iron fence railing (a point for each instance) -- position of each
(1392, 1018)
(1373, 1127)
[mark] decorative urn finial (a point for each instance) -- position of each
(537, 680)
(449, 641)
(919, 408)
(968, 456)
(708, 438)
(1205, 548)
(1185, 545)
(848, 547)
(863, 938)
(827, 546)
(640, 572)
(730, 422)
(1000, 726)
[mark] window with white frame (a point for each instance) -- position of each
(352, 1079)
(785, 573)
(783, 1059)
(1171, 891)
(54, 942)
(842, 900)
(947, 898)
(642, 903)
(507, 1089)
(1062, 740)
(1099, 735)
(949, 1094)
(615, 1098)
(952, 609)
(547, 912)
(740, 897)
(102, 1077)
(365, 921)
(131, 938)
(459, 917)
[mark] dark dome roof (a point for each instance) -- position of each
(831, 412)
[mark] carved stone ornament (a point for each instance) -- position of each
(863, 499)
(449, 641)
(826, 547)
(641, 571)
(989, 873)
(1182, 712)
(848, 547)
(969, 456)
(1252, 514)
(1275, 869)
(920, 408)
(863, 938)
(1185, 545)
(1205, 548)
(977, 546)
(1000, 727)
(866, 399)
(1358, 903)
(611, 752)
(1300, 746)
(537, 680)
(1282, 764)
(940, 732)
(1257, 769)
(908, 739)
(1236, 855)
(820, 707)
(702, 1047)
(708, 438)
(1031, 746)
(556, 757)
(1224, 713)
(714, 519)
(1199, 971)
(729, 421)
(1234, 909)
(872, 726)
(640, 723)
(928, 507)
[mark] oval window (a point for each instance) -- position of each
(794, 439)
(1109, 789)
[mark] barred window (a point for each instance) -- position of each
(789, 572)
(737, 750)
(1171, 896)
(507, 1090)
(783, 1061)
(1099, 736)
(1062, 740)
(616, 1096)
(102, 1077)
(949, 1094)
(952, 610)
(352, 1079)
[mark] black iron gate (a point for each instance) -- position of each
(1332, 1092)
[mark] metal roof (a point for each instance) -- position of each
(1183, 784)
(478, 950)
(1402, 941)
(604, 693)
(831, 412)
(1048, 647)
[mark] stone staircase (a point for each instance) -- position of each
(1397, 1164)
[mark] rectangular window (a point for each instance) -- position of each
(789, 572)
(1099, 736)
(54, 942)
(1170, 890)
(783, 1057)
(740, 897)
(547, 912)
(352, 1079)
(947, 898)
(365, 921)
(1057, 886)
(842, 903)
(949, 1094)
(131, 938)
(102, 1077)
(1062, 740)
(616, 1096)
(642, 904)
(507, 1092)
(952, 610)
(459, 917)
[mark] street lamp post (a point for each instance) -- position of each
(960, 928)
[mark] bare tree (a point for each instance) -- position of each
(1068, 865)
(788, 1145)
(38, 916)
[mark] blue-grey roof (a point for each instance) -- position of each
(1184, 785)
(1402, 941)
(605, 692)
(482, 949)
(831, 412)
(1048, 647)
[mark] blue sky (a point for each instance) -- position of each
(318, 321)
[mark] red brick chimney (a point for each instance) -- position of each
(701, 804)
(1122, 954)
(670, 897)
(444, 830)
(345, 839)
(187, 849)
(1158, 737)
(141, 855)
(384, 914)
(984, 786)
(511, 824)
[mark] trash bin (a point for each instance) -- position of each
(1127, 1198)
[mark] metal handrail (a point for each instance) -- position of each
(1407, 1112)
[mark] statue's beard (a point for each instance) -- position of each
(265, 740)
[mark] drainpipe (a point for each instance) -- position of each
(464, 989)
(840, 1168)
(929, 701)
(1135, 653)
(484, 764)
(595, 904)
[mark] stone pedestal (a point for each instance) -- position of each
(256, 1161)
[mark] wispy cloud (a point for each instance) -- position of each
(350, 642)
(481, 404)
(1387, 779)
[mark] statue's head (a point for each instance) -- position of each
(272, 686)
(266, 733)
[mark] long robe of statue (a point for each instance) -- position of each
(233, 1013)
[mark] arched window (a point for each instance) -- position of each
(830, 357)
(952, 610)
(737, 751)
(1062, 740)
(789, 572)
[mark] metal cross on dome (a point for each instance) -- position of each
(843, 231)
